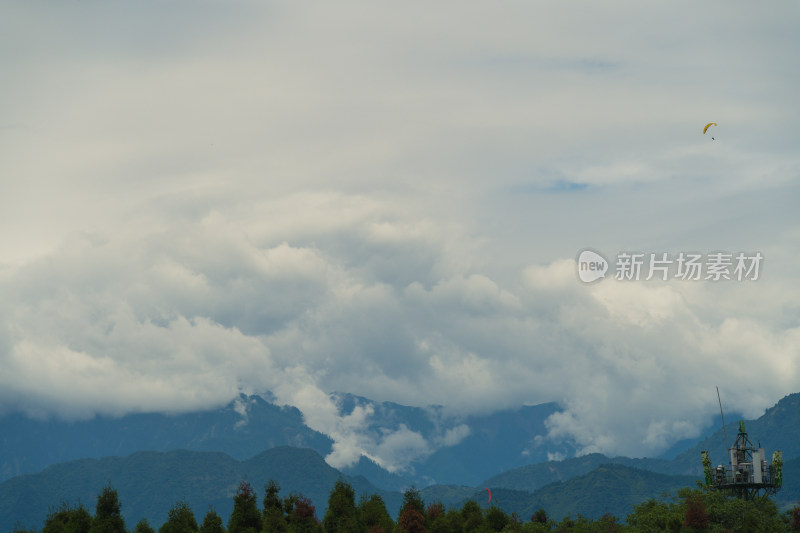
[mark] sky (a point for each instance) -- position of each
(201, 198)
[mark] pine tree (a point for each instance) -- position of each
(245, 517)
(372, 514)
(212, 523)
(108, 513)
(273, 519)
(180, 519)
(341, 514)
(143, 526)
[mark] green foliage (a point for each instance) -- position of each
(450, 522)
(301, 515)
(690, 509)
(143, 526)
(653, 516)
(372, 514)
(472, 514)
(108, 513)
(496, 519)
(341, 514)
(212, 523)
(272, 498)
(704, 509)
(610, 488)
(273, 519)
(245, 517)
(180, 519)
(68, 519)
(413, 499)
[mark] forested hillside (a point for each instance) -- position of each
(687, 510)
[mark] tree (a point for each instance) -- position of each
(434, 511)
(273, 520)
(180, 519)
(653, 515)
(473, 516)
(450, 522)
(794, 522)
(302, 515)
(212, 523)
(245, 517)
(411, 521)
(412, 498)
(143, 526)
(540, 517)
(372, 513)
(341, 514)
(496, 519)
(108, 513)
(696, 517)
(68, 519)
(607, 524)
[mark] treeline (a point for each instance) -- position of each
(692, 510)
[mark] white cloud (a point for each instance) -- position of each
(349, 197)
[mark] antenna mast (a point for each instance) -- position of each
(724, 432)
(750, 474)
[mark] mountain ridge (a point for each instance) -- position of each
(149, 483)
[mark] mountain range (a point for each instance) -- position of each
(154, 460)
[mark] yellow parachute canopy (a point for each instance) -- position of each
(708, 126)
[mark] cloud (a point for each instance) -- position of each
(350, 198)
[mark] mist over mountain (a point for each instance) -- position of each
(149, 482)
(458, 450)
(430, 445)
(241, 429)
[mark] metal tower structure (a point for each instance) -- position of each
(749, 475)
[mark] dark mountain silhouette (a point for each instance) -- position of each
(149, 483)
(28, 445)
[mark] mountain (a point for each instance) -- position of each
(598, 489)
(455, 496)
(462, 450)
(777, 429)
(487, 444)
(610, 488)
(503, 450)
(242, 429)
(501, 441)
(532, 477)
(150, 483)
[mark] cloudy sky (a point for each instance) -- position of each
(202, 198)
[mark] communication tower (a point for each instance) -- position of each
(748, 475)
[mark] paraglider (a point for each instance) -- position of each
(708, 126)
(490, 495)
